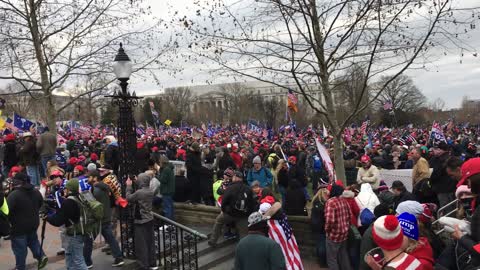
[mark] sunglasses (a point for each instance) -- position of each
(52, 177)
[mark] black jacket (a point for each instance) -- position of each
(68, 213)
(295, 199)
(469, 241)
(225, 162)
(101, 192)
(11, 155)
(404, 196)
(441, 182)
(112, 157)
(194, 167)
(283, 178)
(141, 160)
(230, 197)
(24, 204)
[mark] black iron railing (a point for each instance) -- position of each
(175, 244)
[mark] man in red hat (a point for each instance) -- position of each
(368, 173)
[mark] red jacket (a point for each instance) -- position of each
(424, 253)
(349, 196)
(237, 159)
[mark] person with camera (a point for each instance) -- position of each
(24, 204)
(69, 216)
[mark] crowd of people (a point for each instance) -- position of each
(256, 180)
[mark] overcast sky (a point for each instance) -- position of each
(445, 78)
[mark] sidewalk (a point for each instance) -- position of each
(50, 246)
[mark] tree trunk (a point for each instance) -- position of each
(338, 158)
(42, 66)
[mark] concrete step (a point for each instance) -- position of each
(226, 265)
(216, 257)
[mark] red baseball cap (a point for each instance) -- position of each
(469, 168)
(365, 159)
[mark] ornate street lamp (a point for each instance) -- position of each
(126, 133)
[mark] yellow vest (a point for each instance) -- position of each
(4, 207)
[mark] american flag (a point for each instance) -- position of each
(364, 126)
(281, 232)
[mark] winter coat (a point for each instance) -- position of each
(421, 171)
(47, 144)
(28, 154)
(101, 192)
(295, 199)
(349, 196)
(230, 196)
(370, 176)
(11, 155)
(264, 176)
(195, 170)
(283, 178)
(67, 215)
(112, 157)
(424, 253)
(469, 241)
(318, 216)
(142, 199)
(24, 203)
(225, 162)
(367, 198)
(237, 159)
(141, 159)
(167, 180)
(366, 245)
(441, 182)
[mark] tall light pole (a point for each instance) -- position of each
(126, 133)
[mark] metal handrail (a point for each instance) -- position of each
(183, 227)
(448, 214)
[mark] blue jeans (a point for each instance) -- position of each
(44, 160)
(107, 233)
(168, 206)
(321, 249)
(74, 253)
(32, 172)
(19, 248)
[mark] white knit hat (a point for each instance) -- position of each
(387, 232)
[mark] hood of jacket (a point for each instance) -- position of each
(143, 180)
(366, 188)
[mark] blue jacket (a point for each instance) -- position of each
(264, 176)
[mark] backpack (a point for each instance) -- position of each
(242, 205)
(366, 217)
(91, 215)
(317, 163)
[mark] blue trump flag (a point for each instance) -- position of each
(21, 123)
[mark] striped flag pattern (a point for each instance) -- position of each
(282, 233)
(364, 127)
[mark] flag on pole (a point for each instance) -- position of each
(282, 233)
(21, 123)
(364, 126)
(326, 160)
(152, 109)
(292, 101)
(325, 132)
(168, 122)
(437, 133)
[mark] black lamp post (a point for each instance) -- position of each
(126, 133)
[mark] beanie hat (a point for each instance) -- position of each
(365, 159)
(72, 185)
(387, 233)
(257, 160)
(462, 189)
(91, 167)
(228, 172)
(413, 207)
(21, 177)
(73, 161)
(427, 215)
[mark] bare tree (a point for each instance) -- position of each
(437, 105)
(176, 103)
(50, 44)
(402, 93)
(311, 43)
(21, 103)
